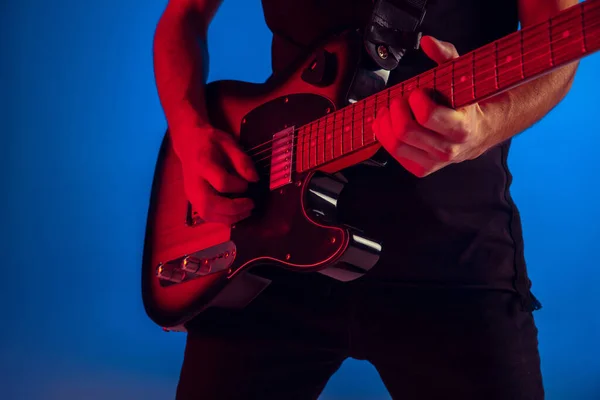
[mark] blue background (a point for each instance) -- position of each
(81, 128)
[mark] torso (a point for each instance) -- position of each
(458, 226)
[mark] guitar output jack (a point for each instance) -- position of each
(382, 51)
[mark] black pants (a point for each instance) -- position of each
(425, 344)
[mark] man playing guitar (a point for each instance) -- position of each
(447, 311)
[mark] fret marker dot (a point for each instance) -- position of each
(369, 119)
(463, 78)
(508, 59)
(347, 128)
(565, 34)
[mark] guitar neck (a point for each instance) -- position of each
(499, 66)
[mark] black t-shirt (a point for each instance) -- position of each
(456, 227)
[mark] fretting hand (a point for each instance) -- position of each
(425, 136)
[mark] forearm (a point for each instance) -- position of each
(512, 112)
(180, 67)
(515, 110)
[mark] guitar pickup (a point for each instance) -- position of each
(282, 158)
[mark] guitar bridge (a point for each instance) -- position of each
(201, 263)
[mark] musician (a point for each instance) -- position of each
(447, 311)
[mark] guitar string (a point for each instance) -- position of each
(455, 61)
(279, 149)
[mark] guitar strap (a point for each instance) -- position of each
(393, 30)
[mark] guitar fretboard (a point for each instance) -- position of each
(473, 77)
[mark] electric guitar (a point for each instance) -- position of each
(302, 128)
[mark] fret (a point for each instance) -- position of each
(550, 42)
(326, 133)
(331, 136)
(485, 70)
(389, 96)
(535, 50)
(362, 128)
(473, 84)
(452, 91)
(334, 148)
(313, 143)
(345, 129)
(583, 43)
(300, 155)
(320, 150)
(496, 65)
(337, 133)
(591, 31)
(463, 81)
(374, 115)
(369, 121)
(426, 81)
(328, 145)
(565, 32)
(509, 62)
(409, 86)
(444, 82)
(357, 133)
(352, 131)
(306, 152)
(521, 49)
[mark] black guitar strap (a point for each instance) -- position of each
(393, 30)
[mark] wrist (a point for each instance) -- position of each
(188, 135)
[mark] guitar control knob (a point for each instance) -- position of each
(196, 266)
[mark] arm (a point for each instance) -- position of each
(212, 163)
(181, 65)
(512, 112)
(424, 136)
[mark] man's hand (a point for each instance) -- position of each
(425, 136)
(212, 166)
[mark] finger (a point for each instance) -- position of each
(435, 145)
(391, 123)
(221, 180)
(382, 127)
(439, 51)
(414, 160)
(446, 121)
(417, 169)
(241, 162)
(395, 128)
(208, 203)
(384, 132)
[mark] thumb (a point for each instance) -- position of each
(437, 50)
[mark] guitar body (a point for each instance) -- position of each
(190, 265)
